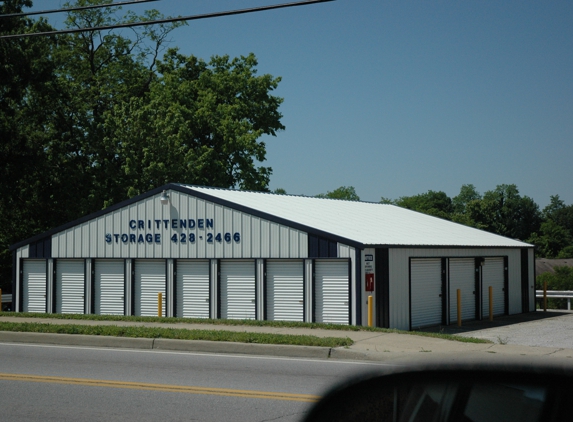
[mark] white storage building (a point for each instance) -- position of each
(216, 253)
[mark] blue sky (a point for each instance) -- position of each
(399, 97)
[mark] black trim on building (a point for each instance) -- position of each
(524, 280)
(445, 293)
(92, 286)
(265, 290)
(478, 286)
(350, 304)
(382, 286)
(506, 285)
(319, 247)
(174, 291)
(21, 286)
(358, 284)
(257, 310)
(54, 287)
(132, 287)
(304, 291)
(218, 289)
(313, 284)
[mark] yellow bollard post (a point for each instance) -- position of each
(370, 309)
(545, 296)
(159, 300)
(490, 303)
(459, 308)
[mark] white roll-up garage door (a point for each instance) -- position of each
(34, 286)
(331, 291)
(70, 286)
(426, 292)
(285, 290)
(192, 289)
(109, 287)
(493, 275)
(462, 276)
(149, 281)
(238, 290)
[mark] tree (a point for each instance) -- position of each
(505, 212)
(91, 118)
(551, 240)
(467, 194)
(344, 192)
(432, 202)
(200, 123)
(26, 77)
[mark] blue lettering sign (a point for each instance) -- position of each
(132, 238)
(140, 224)
(132, 224)
(108, 238)
(124, 238)
(140, 239)
(166, 223)
(183, 224)
(174, 223)
(200, 223)
(149, 237)
(209, 222)
(157, 238)
(158, 223)
(116, 237)
(191, 224)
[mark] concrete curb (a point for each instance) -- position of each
(76, 340)
(167, 344)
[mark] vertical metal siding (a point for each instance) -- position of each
(331, 290)
(150, 280)
(259, 238)
(493, 275)
(34, 285)
(238, 289)
(462, 276)
(285, 290)
(70, 286)
(109, 287)
(531, 274)
(426, 292)
(193, 298)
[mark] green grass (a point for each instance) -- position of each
(248, 323)
(176, 333)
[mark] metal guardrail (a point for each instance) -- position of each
(6, 298)
(557, 294)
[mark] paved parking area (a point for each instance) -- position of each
(545, 329)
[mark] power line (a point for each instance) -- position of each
(168, 20)
(72, 9)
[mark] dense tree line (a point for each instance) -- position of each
(92, 118)
(502, 211)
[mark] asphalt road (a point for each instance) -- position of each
(61, 383)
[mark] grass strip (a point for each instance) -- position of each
(243, 322)
(176, 333)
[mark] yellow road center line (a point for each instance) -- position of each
(163, 387)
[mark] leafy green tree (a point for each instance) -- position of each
(200, 123)
(551, 240)
(26, 77)
(91, 118)
(344, 192)
(280, 191)
(432, 202)
(468, 193)
(561, 279)
(504, 211)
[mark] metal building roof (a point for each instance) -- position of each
(362, 222)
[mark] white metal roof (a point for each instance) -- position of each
(363, 222)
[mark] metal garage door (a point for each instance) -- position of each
(34, 286)
(285, 291)
(493, 274)
(70, 286)
(149, 281)
(331, 291)
(238, 290)
(426, 292)
(109, 287)
(192, 289)
(462, 276)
